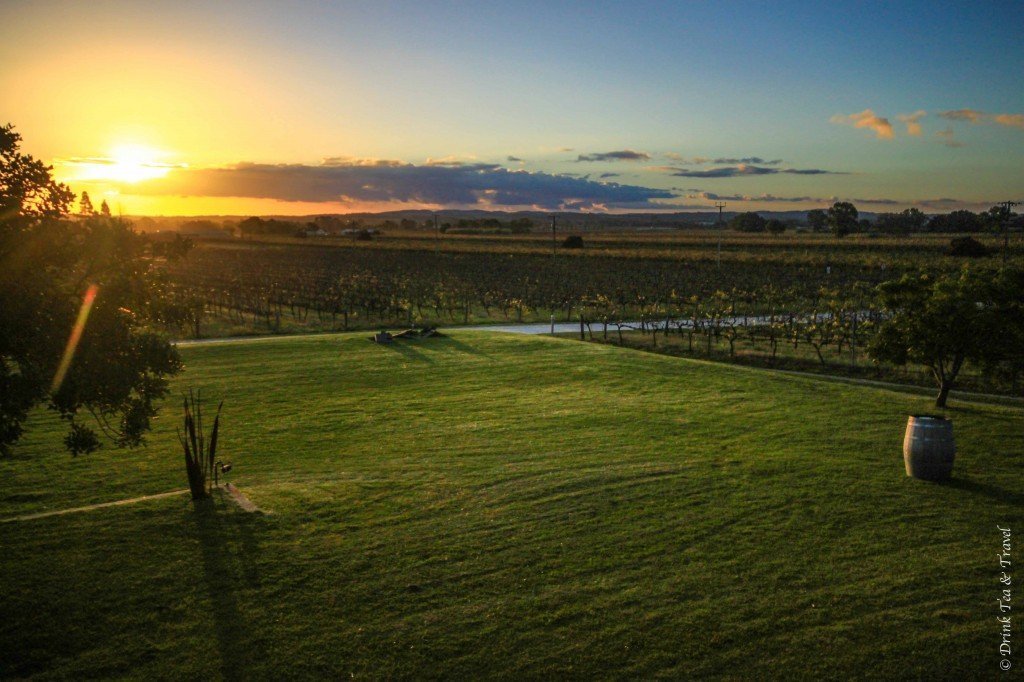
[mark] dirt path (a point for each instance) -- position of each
(90, 507)
(234, 493)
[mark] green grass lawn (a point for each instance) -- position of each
(493, 505)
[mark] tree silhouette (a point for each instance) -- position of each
(78, 300)
(85, 205)
(842, 218)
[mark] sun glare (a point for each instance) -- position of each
(134, 163)
(126, 163)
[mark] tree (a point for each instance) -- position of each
(914, 219)
(84, 280)
(776, 226)
(998, 219)
(748, 222)
(842, 218)
(105, 209)
(957, 221)
(943, 322)
(85, 205)
(905, 222)
(817, 220)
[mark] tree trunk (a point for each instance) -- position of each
(946, 379)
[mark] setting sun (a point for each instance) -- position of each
(126, 163)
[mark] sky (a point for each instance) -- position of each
(297, 108)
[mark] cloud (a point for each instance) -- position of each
(749, 159)
(1011, 120)
(456, 162)
(623, 155)
(711, 196)
(514, 159)
(609, 175)
(441, 183)
(673, 156)
(913, 122)
(946, 138)
(700, 160)
(354, 161)
(883, 129)
(970, 115)
(566, 149)
(866, 119)
(105, 161)
(979, 117)
(881, 202)
(939, 204)
(741, 171)
(943, 202)
(811, 171)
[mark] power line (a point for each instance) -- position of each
(720, 205)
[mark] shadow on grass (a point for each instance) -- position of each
(992, 492)
(406, 348)
(229, 564)
(447, 342)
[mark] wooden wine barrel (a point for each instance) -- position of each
(928, 447)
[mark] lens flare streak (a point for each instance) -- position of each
(76, 336)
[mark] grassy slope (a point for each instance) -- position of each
(510, 506)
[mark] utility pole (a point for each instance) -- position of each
(721, 226)
(553, 241)
(437, 237)
(1004, 220)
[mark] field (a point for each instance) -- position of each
(750, 347)
(488, 505)
(403, 278)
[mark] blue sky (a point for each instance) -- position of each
(277, 84)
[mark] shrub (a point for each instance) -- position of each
(967, 246)
(200, 456)
(573, 241)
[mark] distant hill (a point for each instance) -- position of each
(541, 219)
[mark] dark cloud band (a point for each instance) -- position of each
(623, 155)
(363, 181)
(744, 170)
